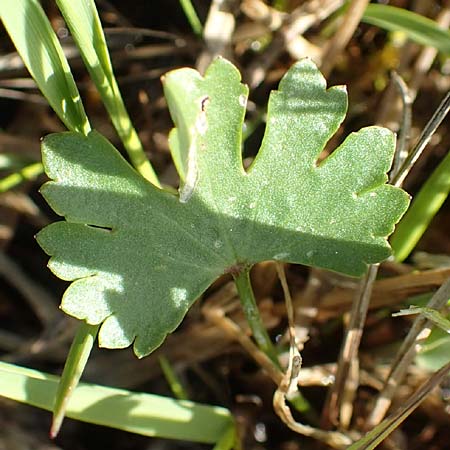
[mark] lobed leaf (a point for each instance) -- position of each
(139, 256)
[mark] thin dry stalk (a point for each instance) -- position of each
(347, 374)
(432, 125)
(417, 334)
(217, 33)
(392, 422)
(216, 315)
(300, 20)
(343, 35)
(307, 306)
(386, 292)
(404, 135)
(288, 386)
(288, 303)
(41, 303)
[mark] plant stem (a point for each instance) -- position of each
(245, 291)
(192, 17)
(172, 379)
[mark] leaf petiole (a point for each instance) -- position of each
(245, 291)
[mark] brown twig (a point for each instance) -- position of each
(217, 33)
(216, 314)
(288, 385)
(344, 388)
(299, 21)
(42, 304)
(405, 410)
(343, 35)
(418, 332)
(386, 292)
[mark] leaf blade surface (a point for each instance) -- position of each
(140, 256)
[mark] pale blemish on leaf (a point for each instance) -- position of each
(243, 100)
(188, 187)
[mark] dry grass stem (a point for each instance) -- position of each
(300, 20)
(405, 130)
(288, 385)
(410, 405)
(343, 35)
(343, 391)
(42, 304)
(216, 315)
(410, 345)
(386, 292)
(217, 33)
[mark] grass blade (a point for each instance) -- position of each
(38, 46)
(73, 369)
(431, 314)
(192, 17)
(83, 21)
(29, 172)
(418, 28)
(424, 207)
(140, 413)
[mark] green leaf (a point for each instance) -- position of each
(140, 256)
(418, 28)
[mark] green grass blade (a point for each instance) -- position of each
(140, 413)
(228, 440)
(29, 172)
(424, 207)
(73, 369)
(192, 17)
(13, 161)
(38, 46)
(431, 314)
(418, 28)
(83, 21)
